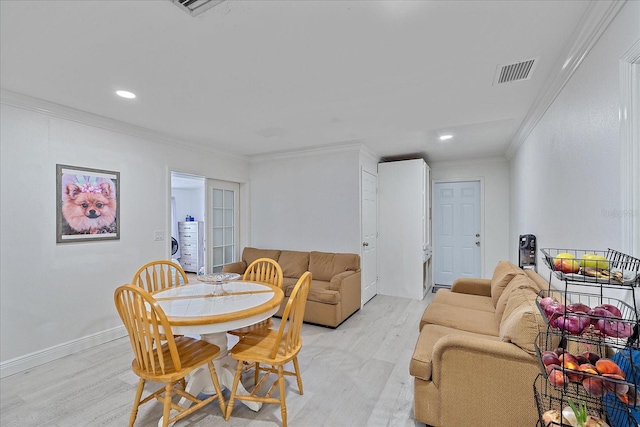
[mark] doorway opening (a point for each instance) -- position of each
(205, 225)
(187, 221)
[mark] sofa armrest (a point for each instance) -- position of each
(480, 356)
(472, 286)
(348, 283)
(336, 281)
(488, 367)
(235, 267)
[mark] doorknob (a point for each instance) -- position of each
(478, 243)
(477, 234)
(365, 244)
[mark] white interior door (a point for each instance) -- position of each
(223, 229)
(456, 231)
(369, 236)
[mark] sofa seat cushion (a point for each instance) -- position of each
(293, 263)
(318, 292)
(325, 265)
(420, 364)
(502, 275)
(465, 319)
(251, 254)
(457, 299)
(522, 321)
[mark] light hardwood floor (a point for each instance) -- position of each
(355, 375)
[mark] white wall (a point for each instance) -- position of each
(307, 201)
(566, 175)
(189, 201)
(494, 174)
(58, 298)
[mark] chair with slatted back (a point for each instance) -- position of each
(159, 275)
(263, 270)
(168, 363)
(270, 349)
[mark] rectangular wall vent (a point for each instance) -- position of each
(515, 72)
(196, 7)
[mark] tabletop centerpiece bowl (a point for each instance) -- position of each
(218, 280)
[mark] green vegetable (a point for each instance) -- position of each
(580, 412)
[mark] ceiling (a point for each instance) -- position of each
(258, 77)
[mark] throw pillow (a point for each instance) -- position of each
(502, 275)
(520, 281)
(522, 320)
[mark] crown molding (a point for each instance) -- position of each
(594, 22)
(499, 160)
(52, 109)
(351, 147)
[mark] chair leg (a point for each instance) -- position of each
(167, 404)
(283, 405)
(216, 386)
(136, 402)
(298, 377)
(256, 373)
(234, 388)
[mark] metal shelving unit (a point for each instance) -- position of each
(622, 272)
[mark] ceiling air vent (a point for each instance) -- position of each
(515, 72)
(196, 7)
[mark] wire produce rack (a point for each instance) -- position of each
(613, 268)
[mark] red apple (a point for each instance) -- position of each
(566, 263)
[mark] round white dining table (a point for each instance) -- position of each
(201, 309)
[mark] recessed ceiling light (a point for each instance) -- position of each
(125, 94)
(445, 137)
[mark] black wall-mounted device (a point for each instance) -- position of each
(527, 252)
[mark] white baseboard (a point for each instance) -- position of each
(26, 362)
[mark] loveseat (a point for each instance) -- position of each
(474, 362)
(335, 287)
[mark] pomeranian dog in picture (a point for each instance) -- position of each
(89, 207)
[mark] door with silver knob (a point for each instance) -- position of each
(456, 231)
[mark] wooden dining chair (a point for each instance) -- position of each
(270, 349)
(168, 363)
(159, 275)
(263, 270)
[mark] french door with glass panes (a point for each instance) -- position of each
(223, 220)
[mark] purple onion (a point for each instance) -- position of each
(578, 307)
(572, 324)
(617, 329)
(544, 302)
(615, 311)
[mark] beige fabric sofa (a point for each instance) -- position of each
(335, 286)
(474, 363)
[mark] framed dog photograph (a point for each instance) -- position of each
(88, 204)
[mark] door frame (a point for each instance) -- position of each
(362, 235)
(482, 220)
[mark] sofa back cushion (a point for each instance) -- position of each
(325, 265)
(502, 275)
(250, 254)
(293, 263)
(520, 281)
(522, 321)
(540, 281)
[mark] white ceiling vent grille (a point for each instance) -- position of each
(196, 7)
(515, 72)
